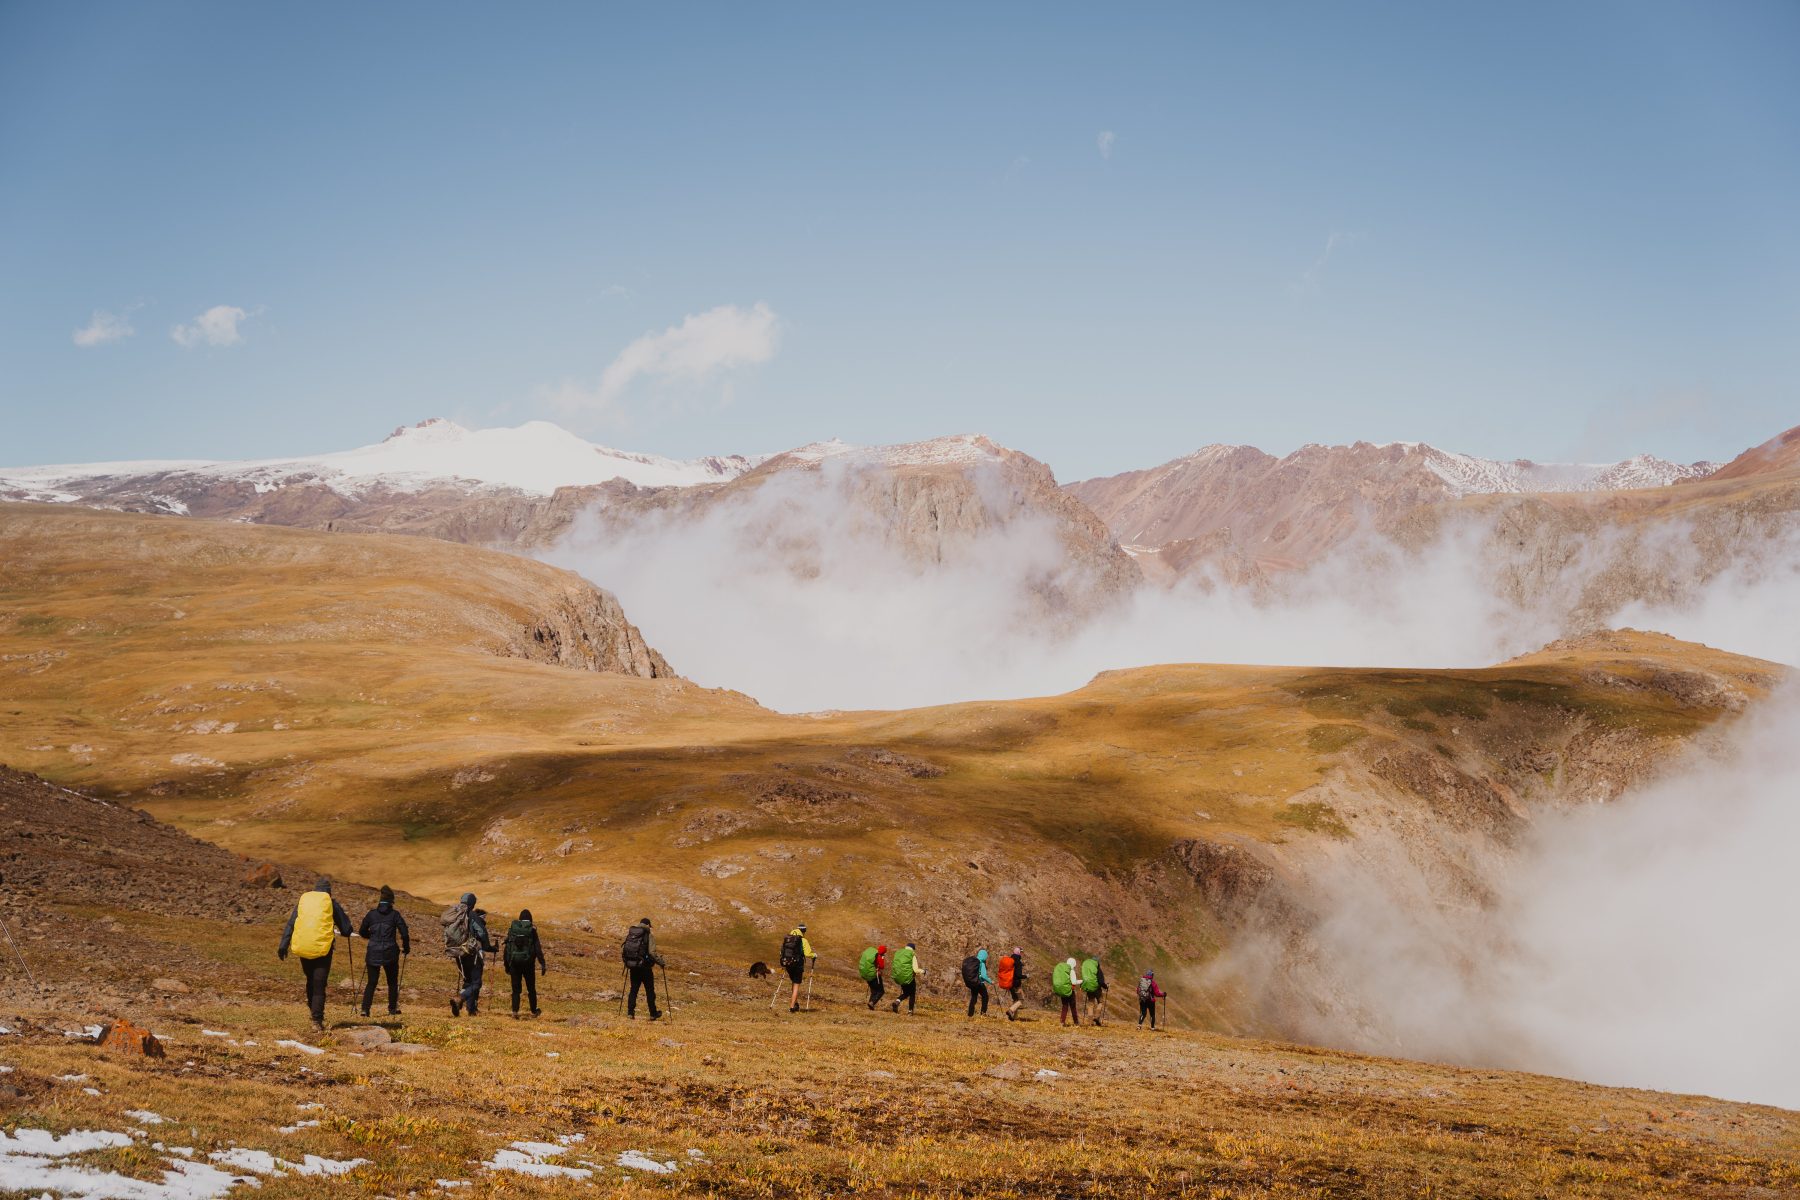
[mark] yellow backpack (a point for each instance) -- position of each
(315, 933)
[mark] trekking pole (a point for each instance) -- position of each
(668, 994)
(16, 953)
(623, 973)
(814, 970)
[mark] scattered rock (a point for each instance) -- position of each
(404, 1048)
(1046, 1075)
(262, 875)
(123, 1037)
(879, 1075)
(1005, 1070)
(366, 1037)
(169, 985)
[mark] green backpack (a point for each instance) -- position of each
(518, 946)
(1059, 980)
(1090, 976)
(865, 966)
(903, 965)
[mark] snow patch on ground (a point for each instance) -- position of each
(300, 1046)
(35, 1162)
(528, 1158)
(637, 1160)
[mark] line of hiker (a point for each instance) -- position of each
(312, 930)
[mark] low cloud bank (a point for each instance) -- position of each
(802, 599)
(1644, 943)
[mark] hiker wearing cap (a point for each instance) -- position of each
(1062, 982)
(1148, 994)
(907, 970)
(466, 940)
(1011, 980)
(385, 939)
(311, 933)
(523, 955)
(641, 961)
(796, 953)
(870, 966)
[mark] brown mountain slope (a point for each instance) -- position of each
(1150, 813)
(1779, 453)
(120, 916)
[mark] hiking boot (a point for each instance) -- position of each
(456, 1008)
(656, 1016)
(793, 1008)
(896, 1006)
(515, 1014)
(535, 1014)
(318, 1026)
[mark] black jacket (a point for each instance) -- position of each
(387, 935)
(536, 947)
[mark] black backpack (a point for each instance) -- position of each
(972, 971)
(637, 941)
(792, 947)
(518, 945)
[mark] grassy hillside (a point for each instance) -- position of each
(377, 729)
(123, 917)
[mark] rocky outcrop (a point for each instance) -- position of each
(586, 628)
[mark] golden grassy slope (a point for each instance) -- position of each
(832, 1102)
(378, 735)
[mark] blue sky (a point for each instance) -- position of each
(1535, 230)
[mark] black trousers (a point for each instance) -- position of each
(374, 971)
(877, 990)
(642, 977)
(909, 992)
(526, 979)
(978, 992)
(1068, 1010)
(1147, 1008)
(318, 979)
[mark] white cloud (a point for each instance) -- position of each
(1105, 142)
(702, 347)
(102, 328)
(217, 326)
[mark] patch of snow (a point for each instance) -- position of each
(571, 1139)
(261, 1162)
(91, 1091)
(527, 1158)
(637, 1160)
(297, 1126)
(32, 1162)
(300, 1046)
(143, 1116)
(1047, 1075)
(213, 1033)
(90, 1032)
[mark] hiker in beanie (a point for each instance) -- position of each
(466, 940)
(311, 933)
(796, 953)
(641, 961)
(523, 955)
(385, 939)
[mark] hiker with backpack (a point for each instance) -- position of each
(466, 940)
(641, 961)
(1148, 994)
(906, 973)
(796, 954)
(385, 940)
(1010, 977)
(976, 979)
(870, 966)
(1062, 982)
(311, 933)
(522, 956)
(1093, 988)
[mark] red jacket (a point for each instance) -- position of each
(1156, 992)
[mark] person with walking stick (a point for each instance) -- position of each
(641, 961)
(796, 953)
(311, 933)
(385, 941)
(466, 940)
